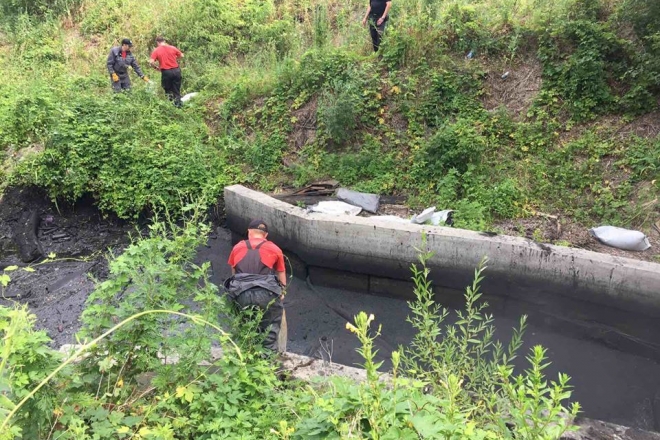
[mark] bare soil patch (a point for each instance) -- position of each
(304, 127)
(513, 87)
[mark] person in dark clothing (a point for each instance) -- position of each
(377, 17)
(167, 58)
(119, 60)
(258, 277)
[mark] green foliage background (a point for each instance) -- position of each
(291, 93)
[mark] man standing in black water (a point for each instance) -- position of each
(258, 278)
(377, 17)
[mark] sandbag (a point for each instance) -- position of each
(621, 238)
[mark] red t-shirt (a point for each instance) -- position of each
(270, 254)
(166, 56)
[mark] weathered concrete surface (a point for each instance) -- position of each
(380, 248)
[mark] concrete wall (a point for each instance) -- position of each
(517, 267)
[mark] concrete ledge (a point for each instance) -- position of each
(517, 267)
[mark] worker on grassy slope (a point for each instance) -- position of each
(167, 58)
(119, 60)
(258, 278)
(377, 17)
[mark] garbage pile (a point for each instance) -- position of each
(353, 203)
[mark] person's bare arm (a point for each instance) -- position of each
(366, 15)
(233, 271)
(281, 276)
(388, 5)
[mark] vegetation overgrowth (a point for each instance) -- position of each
(149, 327)
(290, 92)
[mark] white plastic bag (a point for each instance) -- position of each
(335, 208)
(441, 217)
(424, 216)
(187, 96)
(621, 238)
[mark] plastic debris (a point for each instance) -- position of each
(424, 216)
(335, 208)
(442, 217)
(621, 238)
(470, 55)
(187, 96)
(429, 215)
(505, 75)
(366, 201)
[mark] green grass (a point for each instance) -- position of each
(410, 121)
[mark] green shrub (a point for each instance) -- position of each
(454, 145)
(129, 157)
(37, 7)
(338, 111)
(579, 76)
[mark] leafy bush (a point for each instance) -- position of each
(454, 145)
(338, 111)
(37, 7)
(127, 156)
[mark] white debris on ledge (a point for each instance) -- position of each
(335, 208)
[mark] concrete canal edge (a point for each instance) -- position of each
(374, 254)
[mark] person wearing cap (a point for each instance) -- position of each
(119, 60)
(258, 278)
(167, 58)
(377, 16)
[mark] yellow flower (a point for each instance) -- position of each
(351, 327)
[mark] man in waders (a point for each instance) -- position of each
(258, 278)
(119, 60)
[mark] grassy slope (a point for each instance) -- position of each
(291, 93)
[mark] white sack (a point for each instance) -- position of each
(440, 217)
(621, 238)
(424, 216)
(335, 208)
(187, 96)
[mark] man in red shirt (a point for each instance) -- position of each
(167, 58)
(258, 278)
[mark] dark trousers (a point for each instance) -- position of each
(124, 83)
(170, 79)
(271, 320)
(376, 31)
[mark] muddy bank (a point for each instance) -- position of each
(31, 228)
